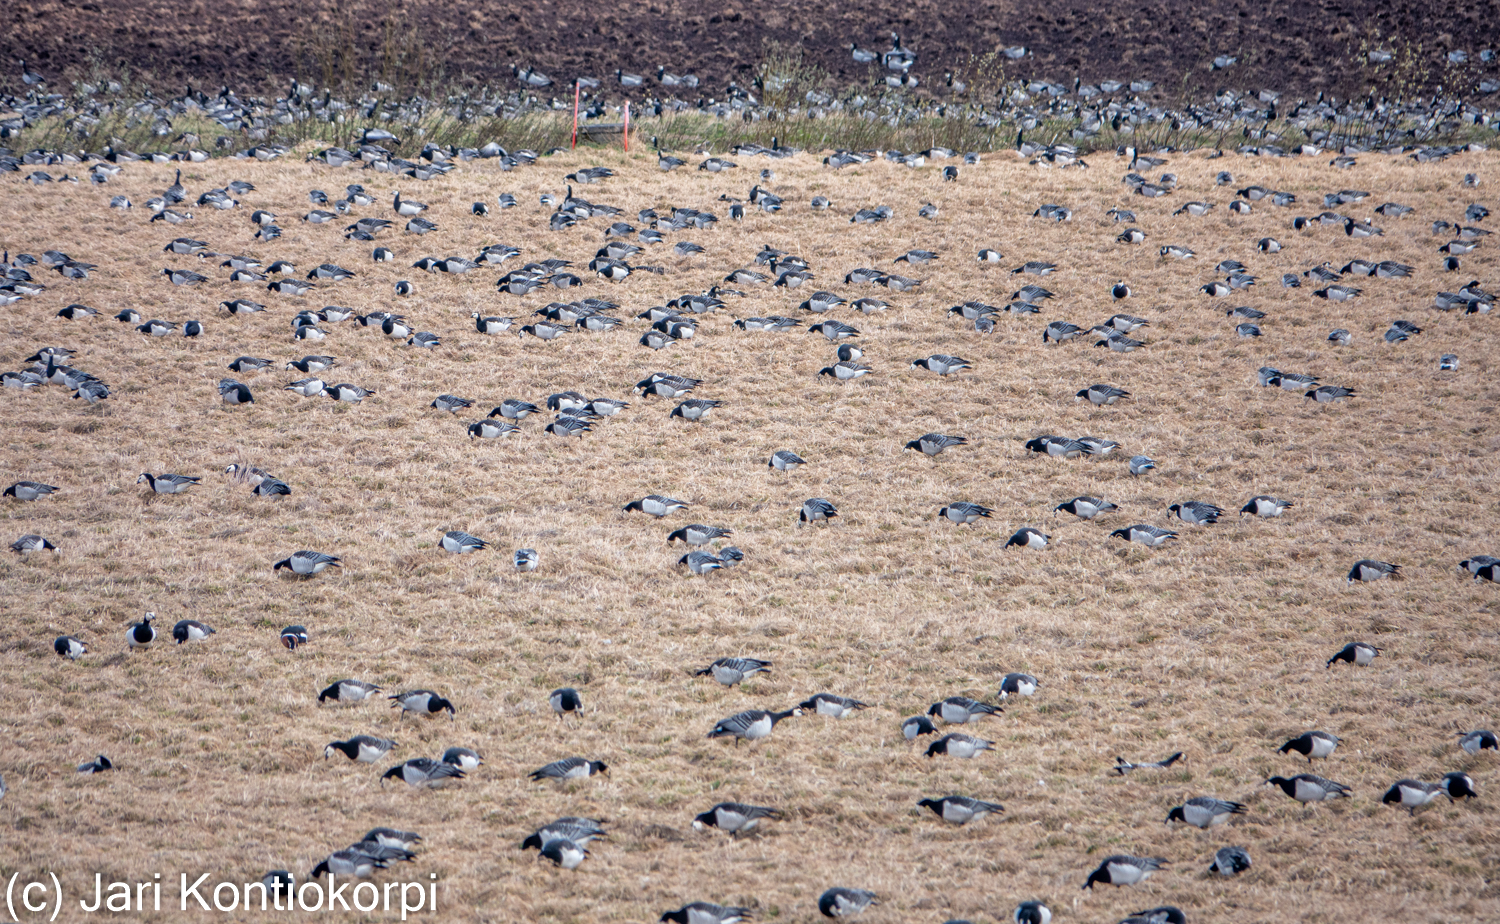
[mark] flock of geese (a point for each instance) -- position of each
(566, 841)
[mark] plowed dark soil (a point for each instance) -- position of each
(1289, 46)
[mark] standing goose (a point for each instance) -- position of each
(141, 634)
(751, 725)
(569, 768)
(581, 831)
(362, 748)
(421, 702)
(730, 671)
(960, 810)
(1311, 744)
(1359, 654)
(406, 208)
(1459, 785)
(305, 563)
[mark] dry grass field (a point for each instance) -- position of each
(1214, 646)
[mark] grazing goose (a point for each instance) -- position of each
(141, 634)
(1123, 766)
(730, 671)
(29, 490)
(1359, 654)
(565, 700)
(931, 444)
(845, 370)
(465, 759)
(569, 768)
(422, 702)
(656, 505)
(695, 534)
(190, 630)
(348, 863)
(960, 710)
(294, 636)
(306, 563)
(1102, 395)
(1367, 569)
(1305, 787)
(346, 392)
(423, 772)
(525, 559)
(942, 364)
(814, 509)
(1198, 513)
(451, 403)
(751, 725)
(1147, 535)
(960, 810)
(1204, 811)
(156, 328)
(461, 543)
(1229, 861)
(513, 409)
(1060, 332)
(1122, 870)
(568, 426)
(1324, 394)
(831, 705)
(348, 691)
(312, 387)
(72, 648)
(964, 513)
(564, 853)
(97, 765)
(1085, 507)
(1413, 794)
(694, 408)
(833, 330)
(1311, 744)
(706, 913)
(1264, 505)
(843, 903)
(362, 748)
(1024, 684)
(734, 817)
(232, 392)
(1475, 741)
(1029, 538)
(1459, 785)
(581, 831)
(168, 484)
(784, 460)
(700, 562)
(959, 745)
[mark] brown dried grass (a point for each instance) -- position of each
(1214, 646)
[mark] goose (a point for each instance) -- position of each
(816, 508)
(1032, 913)
(249, 364)
(73, 648)
(1103, 395)
(97, 765)
(1205, 811)
(990, 256)
(695, 408)
(960, 810)
(843, 903)
(491, 429)
(1359, 654)
(1178, 251)
(964, 513)
(272, 487)
(606, 407)
(307, 563)
(831, 705)
(422, 702)
(1122, 766)
(1459, 785)
(942, 364)
(1264, 505)
(348, 393)
(491, 325)
(451, 403)
(1149, 536)
(1085, 507)
(525, 559)
(730, 671)
(1229, 861)
(656, 504)
(700, 562)
(29, 490)
(1475, 741)
(1123, 870)
(581, 831)
(1370, 570)
(190, 630)
(423, 772)
(289, 287)
(1140, 465)
(1325, 394)
(1121, 344)
(1197, 513)
(348, 863)
(932, 444)
(232, 392)
(569, 768)
(959, 745)
(1448, 362)
(784, 460)
(1311, 744)
(1023, 684)
(1305, 787)
(1057, 447)
(1035, 268)
(77, 312)
(293, 636)
(845, 370)
(184, 277)
(696, 534)
(1125, 323)
(141, 634)
(1060, 332)
(565, 426)
(915, 726)
(308, 388)
(706, 913)
(348, 691)
(1028, 538)
(461, 543)
(364, 749)
(751, 725)
(168, 484)
(156, 328)
(1413, 794)
(960, 710)
(833, 330)
(565, 700)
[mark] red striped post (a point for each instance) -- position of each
(627, 127)
(576, 85)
